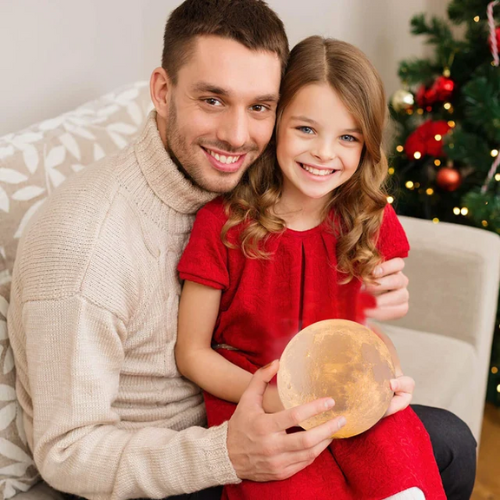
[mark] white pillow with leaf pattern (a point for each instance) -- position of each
(34, 163)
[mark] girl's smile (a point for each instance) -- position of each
(316, 172)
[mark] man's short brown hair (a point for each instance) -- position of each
(249, 22)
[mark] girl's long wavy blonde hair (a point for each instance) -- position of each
(359, 203)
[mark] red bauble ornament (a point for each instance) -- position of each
(497, 33)
(425, 96)
(427, 139)
(415, 143)
(448, 179)
(440, 91)
(443, 88)
(436, 132)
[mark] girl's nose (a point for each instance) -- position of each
(324, 152)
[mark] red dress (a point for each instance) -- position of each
(264, 303)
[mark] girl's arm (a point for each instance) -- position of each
(197, 361)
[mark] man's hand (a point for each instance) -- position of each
(259, 447)
(272, 402)
(391, 293)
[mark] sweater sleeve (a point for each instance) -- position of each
(392, 241)
(74, 354)
(205, 258)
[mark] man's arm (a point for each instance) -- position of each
(81, 446)
(75, 355)
(391, 292)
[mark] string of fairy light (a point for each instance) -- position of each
(417, 155)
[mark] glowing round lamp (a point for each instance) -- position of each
(343, 360)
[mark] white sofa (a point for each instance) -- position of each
(444, 342)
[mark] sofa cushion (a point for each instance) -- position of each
(41, 491)
(33, 163)
(441, 373)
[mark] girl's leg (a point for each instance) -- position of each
(322, 480)
(391, 457)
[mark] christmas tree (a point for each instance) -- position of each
(447, 115)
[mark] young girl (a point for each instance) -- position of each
(290, 246)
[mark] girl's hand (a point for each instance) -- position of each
(272, 402)
(403, 387)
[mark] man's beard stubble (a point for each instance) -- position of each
(173, 139)
(189, 169)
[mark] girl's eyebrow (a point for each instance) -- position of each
(304, 119)
(301, 118)
(355, 130)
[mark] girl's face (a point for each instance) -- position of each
(319, 144)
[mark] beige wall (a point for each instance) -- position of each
(57, 54)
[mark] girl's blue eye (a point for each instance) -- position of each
(349, 138)
(306, 130)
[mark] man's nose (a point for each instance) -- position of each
(234, 129)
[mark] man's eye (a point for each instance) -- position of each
(260, 108)
(348, 138)
(306, 130)
(212, 101)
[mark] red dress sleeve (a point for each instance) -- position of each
(205, 258)
(392, 241)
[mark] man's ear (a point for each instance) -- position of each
(160, 87)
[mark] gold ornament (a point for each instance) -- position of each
(402, 100)
(343, 360)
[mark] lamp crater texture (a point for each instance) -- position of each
(343, 360)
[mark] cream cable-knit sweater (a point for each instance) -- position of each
(93, 323)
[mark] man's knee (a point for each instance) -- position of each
(450, 435)
(454, 448)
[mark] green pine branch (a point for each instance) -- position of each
(484, 207)
(415, 71)
(482, 99)
(464, 11)
(439, 34)
(469, 149)
(437, 30)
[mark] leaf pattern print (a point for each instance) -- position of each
(33, 164)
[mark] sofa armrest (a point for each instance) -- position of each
(454, 274)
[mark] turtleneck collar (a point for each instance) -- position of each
(163, 176)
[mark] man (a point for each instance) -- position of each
(93, 315)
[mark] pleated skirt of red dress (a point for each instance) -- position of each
(392, 456)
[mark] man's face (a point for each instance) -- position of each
(221, 112)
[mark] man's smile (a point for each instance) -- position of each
(224, 161)
(224, 157)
